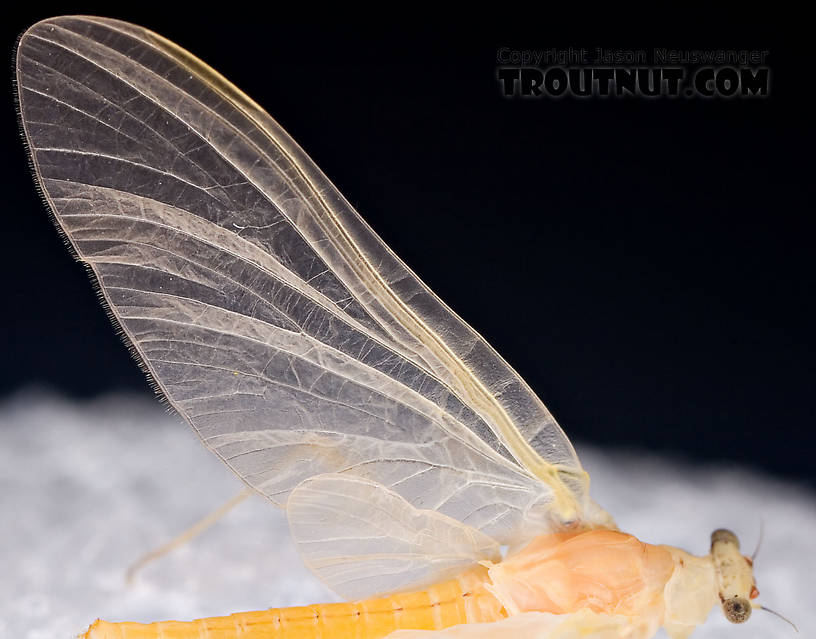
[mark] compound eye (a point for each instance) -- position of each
(737, 610)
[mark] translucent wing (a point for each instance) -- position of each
(268, 313)
(403, 548)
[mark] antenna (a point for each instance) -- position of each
(759, 541)
(773, 612)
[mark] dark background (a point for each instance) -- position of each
(645, 264)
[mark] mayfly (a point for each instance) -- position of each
(407, 454)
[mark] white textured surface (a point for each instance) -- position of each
(87, 488)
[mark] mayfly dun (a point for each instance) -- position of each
(306, 355)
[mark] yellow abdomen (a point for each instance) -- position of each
(462, 600)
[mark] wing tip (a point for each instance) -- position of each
(50, 210)
(46, 24)
(71, 22)
(41, 192)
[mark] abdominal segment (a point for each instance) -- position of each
(584, 624)
(459, 601)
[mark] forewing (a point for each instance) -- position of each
(402, 548)
(270, 315)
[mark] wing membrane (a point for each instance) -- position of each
(270, 315)
(404, 548)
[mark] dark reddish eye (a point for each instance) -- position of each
(754, 592)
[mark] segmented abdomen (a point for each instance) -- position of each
(462, 600)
